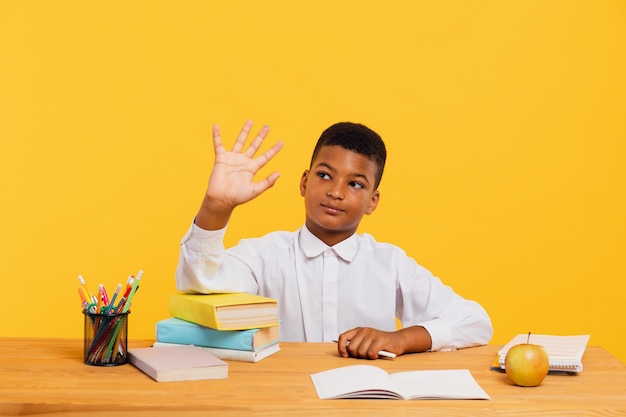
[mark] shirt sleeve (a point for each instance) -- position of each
(452, 321)
(201, 258)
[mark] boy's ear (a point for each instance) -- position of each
(303, 181)
(373, 202)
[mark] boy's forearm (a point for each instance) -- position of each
(415, 339)
(212, 216)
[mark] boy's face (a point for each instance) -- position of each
(338, 191)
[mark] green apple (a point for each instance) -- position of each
(526, 364)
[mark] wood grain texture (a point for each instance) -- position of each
(48, 377)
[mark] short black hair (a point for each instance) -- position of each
(357, 138)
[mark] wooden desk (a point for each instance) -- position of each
(48, 377)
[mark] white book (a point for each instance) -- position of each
(234, 354)
(368, 381)
(180, 363)
(565, 353)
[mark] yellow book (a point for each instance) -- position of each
(229, 311)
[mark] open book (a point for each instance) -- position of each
(368, 381)
(565, 353)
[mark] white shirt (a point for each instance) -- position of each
(323, 291)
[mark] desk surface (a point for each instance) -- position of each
(48, 377)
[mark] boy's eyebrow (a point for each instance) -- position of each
(330, 168)
(325, 165)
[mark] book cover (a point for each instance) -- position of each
(225, 311)
(565, 353)
(234, 354)
(178, 363)
(173, 330)
(368, 381)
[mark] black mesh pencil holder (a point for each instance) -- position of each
(106, 339)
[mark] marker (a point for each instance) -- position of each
(381, 353)
(129, 287)
(132, 292)
(83, 297)
(105, 296)
(82, 283)
(129, 283)
(99, 305)
(120, 305)
(115, 294)
(385, 354)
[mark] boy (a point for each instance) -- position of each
(330, 283)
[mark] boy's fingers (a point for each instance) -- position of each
(343, 342)
(267, 183)
(256, 143)
(269, 154)
(341, 349)
(243, 135)
(217, 139)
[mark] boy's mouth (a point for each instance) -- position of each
(331, 209)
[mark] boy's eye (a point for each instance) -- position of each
(356, 184)
(323, 175)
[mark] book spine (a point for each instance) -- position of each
(244, 356)
(174, 330)
(565, 365)
(555, 365)
(232, 354)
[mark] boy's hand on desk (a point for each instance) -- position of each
(366, 343)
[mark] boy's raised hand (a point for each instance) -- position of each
(232, 179)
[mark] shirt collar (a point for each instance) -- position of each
(312, 246)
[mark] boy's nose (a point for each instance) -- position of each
(335, 193)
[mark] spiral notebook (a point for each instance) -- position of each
(564, 352)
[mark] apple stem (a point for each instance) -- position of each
(528, 339)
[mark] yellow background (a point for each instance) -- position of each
(505, 123)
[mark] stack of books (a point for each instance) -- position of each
(234, 326)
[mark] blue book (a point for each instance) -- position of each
(173, 330)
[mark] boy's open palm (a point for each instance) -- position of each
(232, 179)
